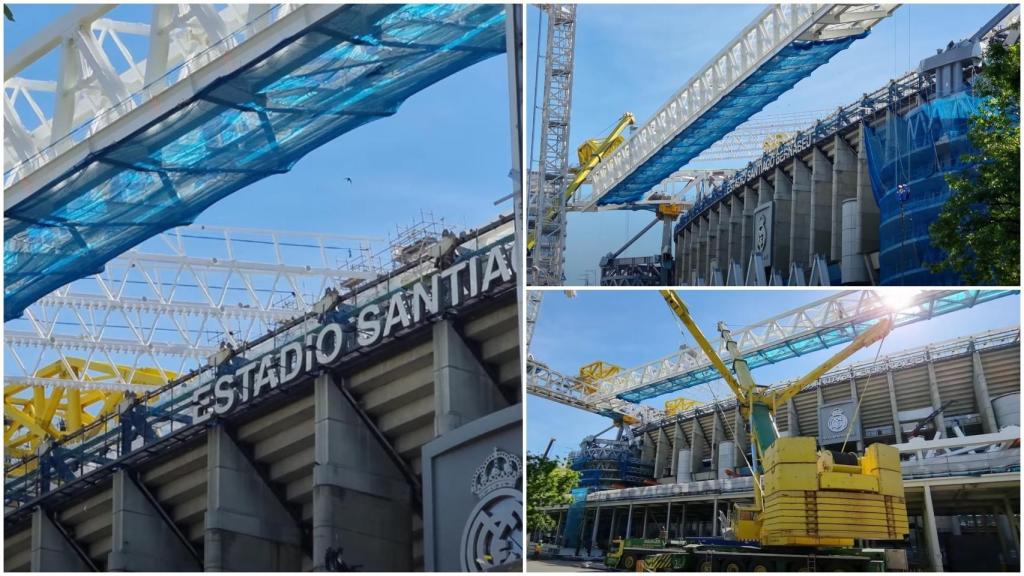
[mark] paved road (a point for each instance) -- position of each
(564, 566)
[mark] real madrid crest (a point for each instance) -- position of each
(837, 422)
(493, 535)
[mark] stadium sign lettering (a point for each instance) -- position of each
(324, 346)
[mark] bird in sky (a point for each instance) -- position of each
(347, 179)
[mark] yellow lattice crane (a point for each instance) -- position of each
(590, 154)
(679, 405)
(590, 374)
(804, 497)
(36, 414)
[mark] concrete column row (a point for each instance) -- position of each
(807, 197)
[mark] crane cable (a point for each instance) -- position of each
(860, 400)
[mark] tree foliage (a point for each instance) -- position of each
(979, 226)
(548, 483)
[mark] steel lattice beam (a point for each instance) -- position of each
(176, 298)
(545, 382)
(774, 29)
(827, 322)
(89, 84)
(836, 319)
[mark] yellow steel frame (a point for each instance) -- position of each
(677, 405)
(595, 371)
(36, 414)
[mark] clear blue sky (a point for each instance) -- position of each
(634, 57)
(446, 151)
(635, 327)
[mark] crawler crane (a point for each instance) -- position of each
(809, 506)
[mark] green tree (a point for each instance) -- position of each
(979, 226)
(548, 483)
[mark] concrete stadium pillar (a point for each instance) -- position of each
(643, 533)
(717, 437)
(735, 244)
(933, 390)
(247, 527)
(558, 529)
(683, 261)
(781, 227)
(821, 204)
(463, 390)
(747, 237)
(897, 428)
(859, 421)
(981, 397)
(678, 443)
(723, 239)
(867, 207)
(792, 419)
(765, 191)
(844, 186)
(712, 253)
(593, 531)
(697, 446)
(703, 245)
(51, 551)
(800, 215)
(680, 260)
(931, 533)
(648, 452)
(694, 253)
(629, 522)
(660, 452)
(361, 500)
(142, 540)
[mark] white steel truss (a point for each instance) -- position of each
(180, 297)
(756, 136)
(900, 360)
(683, 187)
(545, 382)
(775, 28)
(99, 79)
(844, 310)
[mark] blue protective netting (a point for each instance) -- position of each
(780, 73)
(351, 68)
(574, 519)
(908, 158)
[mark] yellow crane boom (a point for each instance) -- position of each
(590, 154)
(804, 497)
